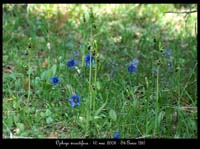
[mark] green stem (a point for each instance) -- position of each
(29, 76)
(90, 94)
(90, 86)
(179, 95)
(147, 107)
(157, 103)
(95, 76)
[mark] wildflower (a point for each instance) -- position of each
(55, 80)
(133, 65)
(112, 73)
(74, 100)
(89, 58)
(116, 135)
(71, 63)
(167, 52)
(132, 68)
(76, 53)
(155, 70)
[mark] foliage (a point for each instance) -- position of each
(48, 50)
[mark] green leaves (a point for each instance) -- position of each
(100, 109)
(42, 114)
(160, 117)
(121, 103)
(47, 114)
(44, 75)
(113, 115)
(9, 122)
(98, 85)
(20, 126)
(53, 69)
(16, 104)
(49, 73)
(49, 120)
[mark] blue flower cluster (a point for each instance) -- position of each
(75, 99)
(88, 58)
(168, 55)
(132, 68)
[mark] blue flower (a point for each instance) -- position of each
(167, 52)
(89, 58)
(71, 63)
(155, 70)
(112, 73)
(74, 100)
(76, 53)
(132, 67)
(55, 80)
(116, 135)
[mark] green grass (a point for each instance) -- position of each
(144, 104)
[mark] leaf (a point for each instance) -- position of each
(99, 116)
(42, 114)
(98, 85)
(24, 133)
(18, 83)
(62, 66)
(12, 76)
(53, 69)
(43, 75)
(5, 58)
(48, 112)
(9, 122)
(15, 105)
(49, 120)
(100, 109)
(20, 126)
(16, 119)
(113, 115)
(160, 117)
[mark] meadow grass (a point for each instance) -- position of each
(157, 98)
